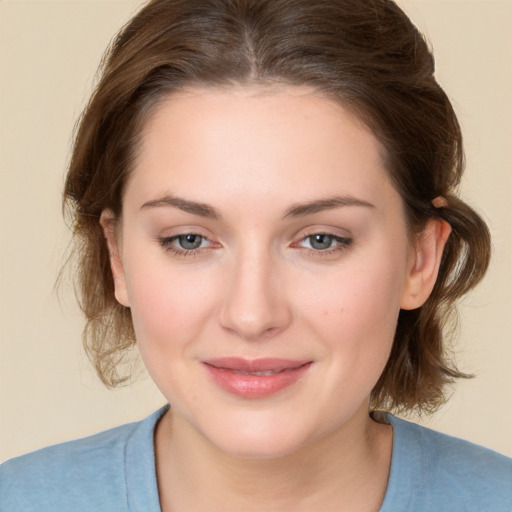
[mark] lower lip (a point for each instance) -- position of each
(256, 386)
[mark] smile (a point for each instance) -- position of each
(258, 378)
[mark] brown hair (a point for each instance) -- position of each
(367, 55)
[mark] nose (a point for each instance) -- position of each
(255, 305)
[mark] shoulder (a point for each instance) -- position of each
(456, 456)
(85, 474)
(454, 473)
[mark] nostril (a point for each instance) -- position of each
(255, 324)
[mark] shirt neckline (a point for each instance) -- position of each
(401, 491)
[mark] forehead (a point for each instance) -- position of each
(256, 140)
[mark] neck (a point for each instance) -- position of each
(345, 470)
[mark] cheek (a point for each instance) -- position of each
(360, 299)
(356, 314)
(169, 308)
(170, 311)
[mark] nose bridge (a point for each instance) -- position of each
(254, 305)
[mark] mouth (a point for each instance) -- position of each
(258, 378)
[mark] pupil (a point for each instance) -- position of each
(190, 241)
(321, 241)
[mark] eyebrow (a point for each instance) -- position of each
(297, 210)
(201, 209)
(303, 209)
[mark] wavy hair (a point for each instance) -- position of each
(365, 54)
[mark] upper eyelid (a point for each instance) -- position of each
(173, 232)
(325, 230)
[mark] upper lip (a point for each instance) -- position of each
(255, 365)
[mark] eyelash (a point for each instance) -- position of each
(341, 244)
(168, 244)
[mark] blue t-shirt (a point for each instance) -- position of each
(115, 471)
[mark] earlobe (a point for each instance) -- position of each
(425, 262)
(109, 224)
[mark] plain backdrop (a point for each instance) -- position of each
(50, 51)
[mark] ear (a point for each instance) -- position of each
(110, 224)
(424, 263)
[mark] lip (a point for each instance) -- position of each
(257, 378)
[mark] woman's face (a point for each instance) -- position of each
(264, 255)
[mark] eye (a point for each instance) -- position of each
(320, 242)
(186, 244)
(325, 242)
(190, 241)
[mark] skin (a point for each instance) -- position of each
(258, 286)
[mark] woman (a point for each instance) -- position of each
(264, 196)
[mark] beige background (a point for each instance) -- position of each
(49, 54)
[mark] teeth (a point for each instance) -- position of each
(267, 372)
(255, 373)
